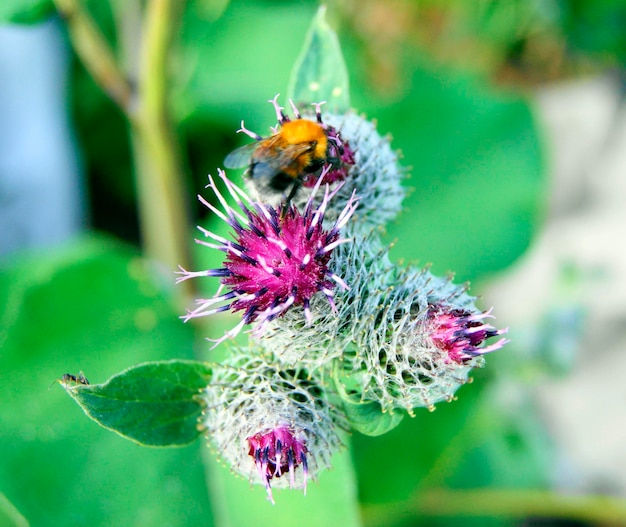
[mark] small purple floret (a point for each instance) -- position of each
(462, 334)
(278, 452)
(341, 156)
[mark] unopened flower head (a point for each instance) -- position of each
(419, 348)
(288, 163)
(274, 426)
(278, 259)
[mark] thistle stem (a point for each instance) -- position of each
(95, 53)
(500, 504)
(159, 174)
(158, 170)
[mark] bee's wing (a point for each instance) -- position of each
(278, 160)
(273, 157)
(293, 151)
(240, 157)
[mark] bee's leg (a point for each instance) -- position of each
(294, 189)
(334, 161)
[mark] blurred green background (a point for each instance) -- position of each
(457, 85)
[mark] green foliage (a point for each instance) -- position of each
(9, 515)
(25, 11)
(479, 441)
(596, 28)
(95, 306)
(331, 501)
(369, 419)
(154, 404)
(231, 66)
(320, 72)
(477, 174)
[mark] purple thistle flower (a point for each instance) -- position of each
(461, 334)
(279, 258)
(277, 452)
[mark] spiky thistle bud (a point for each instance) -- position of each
(376, 175)
(332, 332)
(418, 339)
(273, 426)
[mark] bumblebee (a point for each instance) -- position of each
(282, 161)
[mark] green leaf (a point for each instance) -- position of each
(214, 76)
(25, 11)
(320, 72)
(369, 419)
(365, 417)
(478, 177)
(93, 305)
(153, 404)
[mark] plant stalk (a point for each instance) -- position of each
(496, 503)
(158, 169)
(159, 173)
(95, 53)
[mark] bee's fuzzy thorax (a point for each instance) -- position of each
(305, 131)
